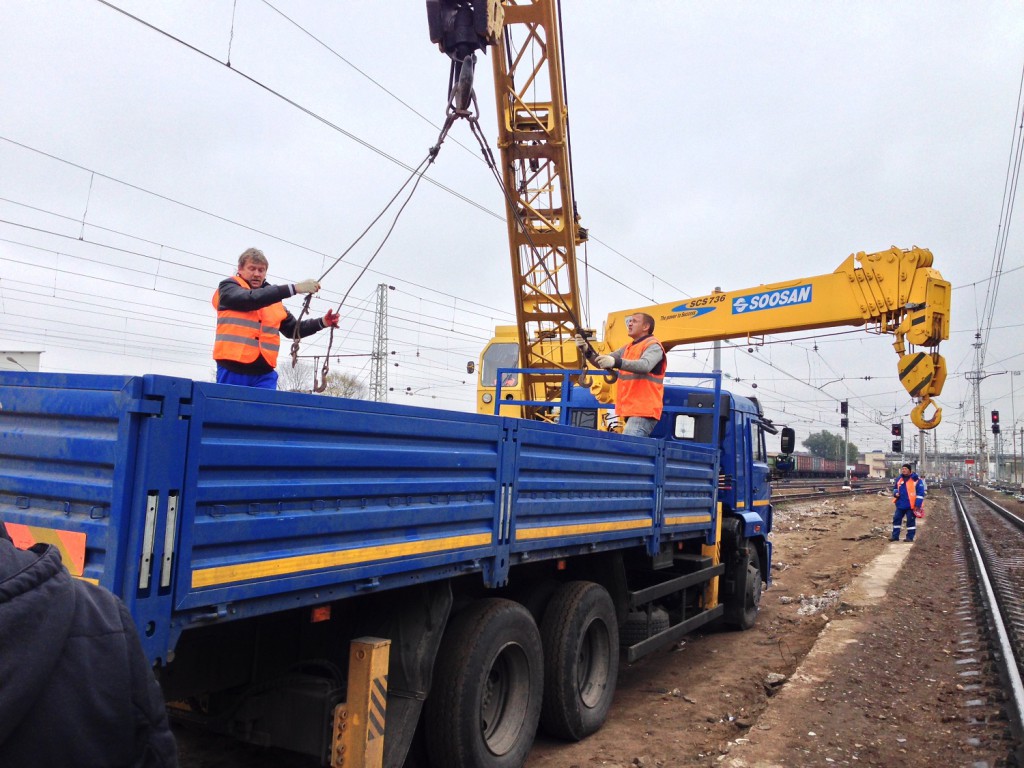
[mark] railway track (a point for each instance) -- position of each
(788, 493)
(992, 547)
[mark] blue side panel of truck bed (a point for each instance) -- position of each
(67, 458)
(576, 486)
(202, 502)
(294, 492)
(689, 486)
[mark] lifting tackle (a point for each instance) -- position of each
(459, 27)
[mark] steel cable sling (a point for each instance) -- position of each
(417, 174)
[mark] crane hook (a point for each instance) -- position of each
(918, 417)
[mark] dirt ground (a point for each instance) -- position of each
(885, 686)
(897, 683)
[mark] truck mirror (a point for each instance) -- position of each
(470, 367)
(787, 440)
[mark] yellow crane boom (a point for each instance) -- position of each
(893, 292)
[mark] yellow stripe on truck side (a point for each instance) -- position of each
(547, 532)
(687, 520)
(286, 566)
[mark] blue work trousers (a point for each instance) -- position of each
(897, 523)
(260, 380)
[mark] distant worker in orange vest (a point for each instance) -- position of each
(251, 320)
(908, 496)
(641, 365)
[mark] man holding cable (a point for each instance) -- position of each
(251, 319)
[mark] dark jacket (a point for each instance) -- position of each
(75, 686)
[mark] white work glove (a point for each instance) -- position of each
(605, 361)
(307, 286)
(581, 343)
(613, 422)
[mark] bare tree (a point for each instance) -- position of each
(345, 385)
(297, 379)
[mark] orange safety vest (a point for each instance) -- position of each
(911, 491)
(641, 394)
(243, 337)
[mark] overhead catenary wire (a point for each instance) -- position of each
(417, 174)
(1013, 167)
(164, 246)
(218, 217)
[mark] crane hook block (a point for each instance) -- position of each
(922, 374)
(917, 414)
(460, 27)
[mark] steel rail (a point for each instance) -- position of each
(1008, 660)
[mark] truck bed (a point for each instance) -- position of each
(199, 502)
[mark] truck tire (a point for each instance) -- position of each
(486, 696)
(741, 610)
(638, 626)
(581, 660)
(535, 597)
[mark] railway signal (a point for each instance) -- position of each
(897, 430)
(995, 422)
(897, 446)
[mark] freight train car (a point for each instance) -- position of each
(806, 465)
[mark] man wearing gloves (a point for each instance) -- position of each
(251, 319)
(641, 365)
(908, 496)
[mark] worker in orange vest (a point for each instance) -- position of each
(641, 364)
(908, 496)
(251, 320)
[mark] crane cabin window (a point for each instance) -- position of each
(499, 356)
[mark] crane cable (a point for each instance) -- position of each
(417, 174)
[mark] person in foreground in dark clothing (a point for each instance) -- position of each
(75, 686)
(251, 320)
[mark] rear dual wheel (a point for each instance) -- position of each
(581, 660)
(487, 691)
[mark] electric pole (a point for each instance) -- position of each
(379, 356)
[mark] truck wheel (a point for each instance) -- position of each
(486, 696)
(638, 626)
(741, 611)
(581, 660)
(536, 596)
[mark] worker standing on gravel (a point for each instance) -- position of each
(908, 496)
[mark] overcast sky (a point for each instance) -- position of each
(715, 144)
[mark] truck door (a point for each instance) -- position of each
(758, 467)
(741, 473)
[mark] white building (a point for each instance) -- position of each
(21, 360)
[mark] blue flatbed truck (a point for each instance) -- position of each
(254, 534)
